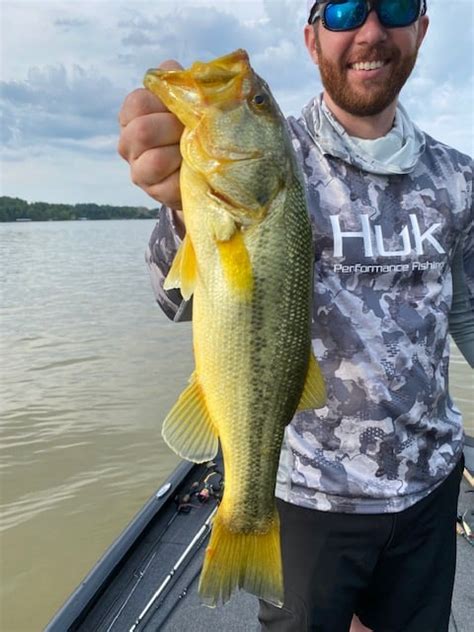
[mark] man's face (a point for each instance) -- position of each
(339, 55)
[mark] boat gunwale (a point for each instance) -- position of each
(84, 597)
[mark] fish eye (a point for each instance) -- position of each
(260, 99)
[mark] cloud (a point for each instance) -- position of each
(440, 109)
(185, 34)
(439, 94)
(67, 103)
(61, 92)
(54, 104)
(274, 42)
(70, 23)
(447, 52)
(67, 175)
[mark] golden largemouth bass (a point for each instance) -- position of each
(247, 259)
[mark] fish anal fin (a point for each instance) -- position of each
(188, 429)
(236, 265)
(314, 392)
(183, 272)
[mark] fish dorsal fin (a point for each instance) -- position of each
(236, 265)
(314, 392)
(188, 428)
(183, 272)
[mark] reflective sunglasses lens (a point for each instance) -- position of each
(343, 16)
(393, 13)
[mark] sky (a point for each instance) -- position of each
(67, 66)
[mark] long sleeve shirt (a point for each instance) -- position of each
(394, 271)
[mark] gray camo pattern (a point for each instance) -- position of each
(390, 432)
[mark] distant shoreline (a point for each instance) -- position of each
(18, 210)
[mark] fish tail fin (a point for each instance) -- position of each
(251, 561)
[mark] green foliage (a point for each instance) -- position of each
(13, 209)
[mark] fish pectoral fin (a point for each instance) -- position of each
(314, 392)
(221, 224)
(236, 265)
(183, 272)
(188, 428)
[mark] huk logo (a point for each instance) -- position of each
(406, 236)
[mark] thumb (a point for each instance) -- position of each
(170, 64)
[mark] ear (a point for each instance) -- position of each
(423, 24)
(310, 41)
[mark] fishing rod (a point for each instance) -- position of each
(141, 572)
(202, 531)
(183, 506)
(181, 596)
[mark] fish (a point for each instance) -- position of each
(247, 261)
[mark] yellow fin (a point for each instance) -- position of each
(221, 224)
(183, 272)
(251, 561)
(236, 265)
(188, 428)
(314, 392)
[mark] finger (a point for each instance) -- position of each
(167, 192)
(170, 64)
(155, 165)
(142, 101)
(139, 103)
(147, 132)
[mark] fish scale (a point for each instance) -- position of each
(247, 260)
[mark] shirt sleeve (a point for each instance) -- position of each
(461, 316)
(162, 247)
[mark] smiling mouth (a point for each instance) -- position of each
(368, 65)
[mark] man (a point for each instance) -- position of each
(367, 486)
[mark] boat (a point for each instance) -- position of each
(147, 580)
(150, 572)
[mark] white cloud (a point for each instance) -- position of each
(439, 95)
(68, 65)
(69, 175)
(55, 104)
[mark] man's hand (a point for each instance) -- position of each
(149, 142)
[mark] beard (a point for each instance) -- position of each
(376, 95)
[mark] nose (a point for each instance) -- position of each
(372, 31)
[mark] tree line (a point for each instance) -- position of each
(13, 209)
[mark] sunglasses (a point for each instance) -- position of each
(345, 15)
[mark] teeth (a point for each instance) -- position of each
(367, 65)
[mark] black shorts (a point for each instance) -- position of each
(395, 571)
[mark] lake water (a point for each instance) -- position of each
(89, 368)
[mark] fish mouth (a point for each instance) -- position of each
(221, 71)
(221, 83)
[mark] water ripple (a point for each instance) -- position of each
(65, 363)
(90, 367)
(30, 505)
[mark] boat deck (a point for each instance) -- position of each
(145, 577)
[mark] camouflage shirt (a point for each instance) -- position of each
(383, 287)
